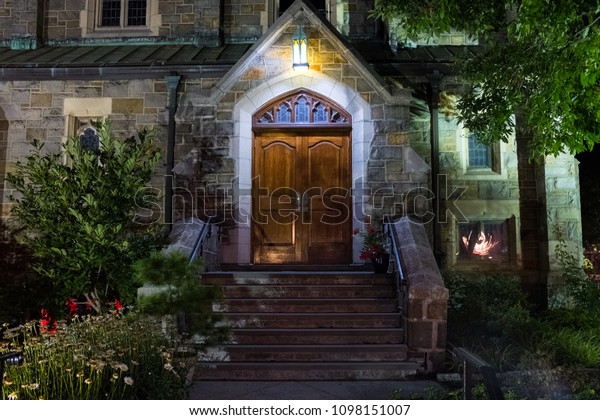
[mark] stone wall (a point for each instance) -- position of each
(42, 110)
(244, 20)
(426, 315)
(486, 194)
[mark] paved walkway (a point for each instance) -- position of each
(310, 390)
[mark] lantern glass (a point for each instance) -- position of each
(300, 50)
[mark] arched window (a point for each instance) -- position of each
(301, 108)
(89, 139)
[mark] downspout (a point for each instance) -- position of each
(435, 80)
(172, 85)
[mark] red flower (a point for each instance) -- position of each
(73, 306)
(119, 308)
(47, 324)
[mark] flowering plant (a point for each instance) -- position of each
(373, 243)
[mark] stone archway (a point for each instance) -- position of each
(238, 249)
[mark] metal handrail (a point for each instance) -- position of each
(401, 285)
(472, 361)
(205, 233)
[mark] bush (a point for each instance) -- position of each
(78, 211)
(95, 357)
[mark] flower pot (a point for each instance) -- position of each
(381, 263)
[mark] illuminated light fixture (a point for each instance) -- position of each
(300, 50)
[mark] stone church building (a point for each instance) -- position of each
(288, 159)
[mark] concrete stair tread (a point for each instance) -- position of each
(309, 370)
(324, 347)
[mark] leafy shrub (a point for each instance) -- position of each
(180, 292)
(489, 305)
(78, 211)
(95, 357)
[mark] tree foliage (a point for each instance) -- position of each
(539, 59)
(78, 211)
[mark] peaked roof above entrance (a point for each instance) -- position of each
(301, 12)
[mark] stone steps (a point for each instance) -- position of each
(308, 326)
(329, 305)
(316, 371)
(318, 335)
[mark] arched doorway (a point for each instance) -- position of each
(301, 181)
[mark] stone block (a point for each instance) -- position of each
(420, 334)
(127, 106)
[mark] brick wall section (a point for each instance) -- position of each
(426, 315)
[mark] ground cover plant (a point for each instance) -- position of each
(555, 350)
(110, 356)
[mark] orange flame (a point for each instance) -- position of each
(484, 244)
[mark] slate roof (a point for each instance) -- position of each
(135, 61)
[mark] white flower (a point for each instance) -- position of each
(128, 380)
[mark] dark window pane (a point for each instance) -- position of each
(111, 13)
(89, 140)
(480, 155)
(136, 13)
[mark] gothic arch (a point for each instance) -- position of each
(238, 250)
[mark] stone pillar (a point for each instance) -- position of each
(426, 314)
(559, 196)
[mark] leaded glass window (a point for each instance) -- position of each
(320, 114)
(284, 113)
(302, 111)
(119, 13)
(301, 107)
(89, 140)
(480, 155)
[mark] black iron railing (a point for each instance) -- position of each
(396, 263)
(471, 363)
(207, 245)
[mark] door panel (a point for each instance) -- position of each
(274, 200)
(301, 199)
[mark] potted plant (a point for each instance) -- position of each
(374, 248)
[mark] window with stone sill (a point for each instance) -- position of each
(119, 18)
(482, 157)
(122, 14)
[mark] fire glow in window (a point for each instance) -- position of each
(483, 240)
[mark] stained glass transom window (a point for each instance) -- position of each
(301, 107)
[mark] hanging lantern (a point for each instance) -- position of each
(300, 50)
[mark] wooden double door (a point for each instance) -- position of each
(301, 198)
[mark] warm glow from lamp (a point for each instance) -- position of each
(300, 50)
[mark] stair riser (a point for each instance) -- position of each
(273, 292)
(306, 374)
(237, 355)
(308, 338)
(370, 280)
(303, 321)
(309, 307)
